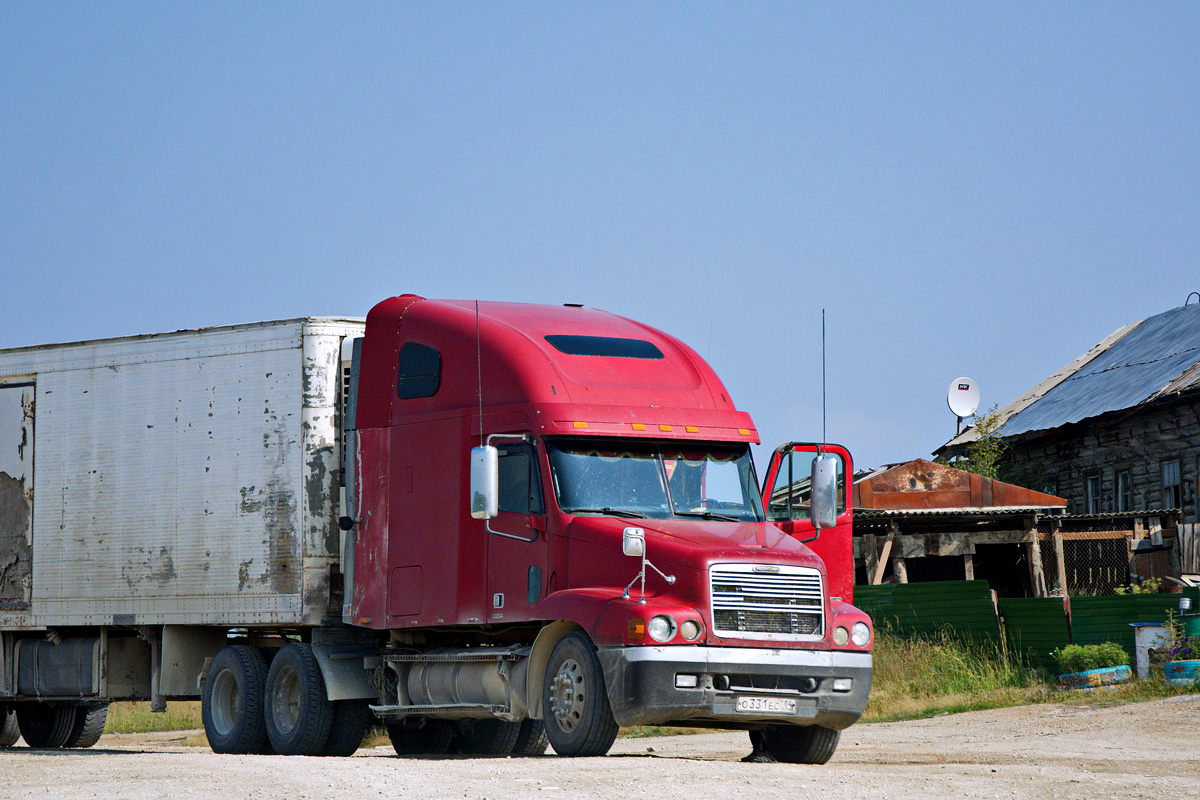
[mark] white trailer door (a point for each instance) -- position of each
(16, 494)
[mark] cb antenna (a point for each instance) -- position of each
(479, 372)
(824, 435)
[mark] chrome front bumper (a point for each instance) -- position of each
(645, 687)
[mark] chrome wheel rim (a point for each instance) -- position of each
(226, 705)
(567, 692)
(285, 701)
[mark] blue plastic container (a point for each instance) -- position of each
(1181, 673)
(1092, 678)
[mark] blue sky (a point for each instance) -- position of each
(964, 188)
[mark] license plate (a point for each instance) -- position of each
(765, 705)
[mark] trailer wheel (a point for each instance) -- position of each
(351, 718)
(9, 732)
(577, 715)
(796, 745)
(231, 704)
(299, 714)
(433, 738)
(45, 725)
(89, 725)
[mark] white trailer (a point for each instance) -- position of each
(155, 492)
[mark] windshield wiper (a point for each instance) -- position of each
(612, 512)
(708, 515)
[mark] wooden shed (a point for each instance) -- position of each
(922, 521)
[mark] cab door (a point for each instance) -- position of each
(516, 537)
(787, 499)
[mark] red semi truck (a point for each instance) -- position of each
(485, 525)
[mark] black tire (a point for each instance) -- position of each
(491, 737)
(531, 741)
(45, 725)
(298, 712)
(434, 738)
(351, 718)
(576, 712)
(231, 704)
(9, 732)
(796, 745)
(89, 725)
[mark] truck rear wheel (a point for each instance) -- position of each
(231, 704)
(796, 745)
(492, 737)
(577, 714)
(531, 741)
(351, 718)
(9, 732)
(45, 725)
(299, 714)
(433, 738)
(89, 725)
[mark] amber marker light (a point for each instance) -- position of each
(579, 424)
(635, 630)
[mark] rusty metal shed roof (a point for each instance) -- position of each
(1140, 363)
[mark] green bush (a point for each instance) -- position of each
(1084, 657)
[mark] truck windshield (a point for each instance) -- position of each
(660, 480)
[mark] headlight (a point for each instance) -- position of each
(861, 634)
(840, 636)
(662, 628)
(691, 629)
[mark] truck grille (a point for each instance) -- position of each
(785, 602)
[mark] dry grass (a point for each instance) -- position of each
(136, 717)
(920, 677)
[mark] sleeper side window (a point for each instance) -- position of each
(420, 371)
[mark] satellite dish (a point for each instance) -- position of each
(963, 396)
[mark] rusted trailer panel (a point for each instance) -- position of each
(182, 478)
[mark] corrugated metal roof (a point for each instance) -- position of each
(1156, 357)
(965, 513)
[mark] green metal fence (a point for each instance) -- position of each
(962, 608)
(1032, 627)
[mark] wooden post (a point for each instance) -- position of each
(900, 568)
(885, 555)
(969, 566)
(870, 556)
(1060, 561)
(1033, 548)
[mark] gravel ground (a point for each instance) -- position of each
(1143, 750)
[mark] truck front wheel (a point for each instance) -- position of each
(231, 704)
(795, 745)
(577, 714)
(299, 714)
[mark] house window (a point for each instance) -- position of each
(1093, 494)
(1171, 485)
(1124, 491)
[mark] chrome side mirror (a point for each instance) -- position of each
(824, 491)
(485, 482)
(633, 543)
